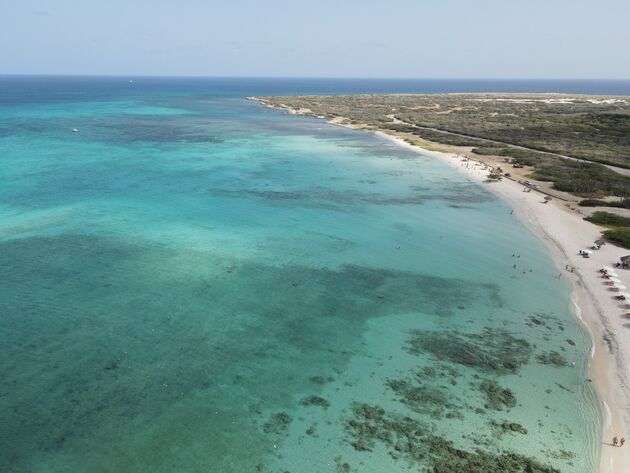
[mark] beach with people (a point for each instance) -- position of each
(315, 237)
(578, 252)
(568, 237)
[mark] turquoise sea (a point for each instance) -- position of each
(194, 283)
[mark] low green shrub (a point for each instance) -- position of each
(622, 204)
(583, 178)
(608, 219)
(620, 236)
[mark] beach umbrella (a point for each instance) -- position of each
(615, 280)
(626, 295)
(608, 269)
(620, 287)
(600, 242)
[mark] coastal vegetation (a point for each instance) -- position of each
(608, 219)
(565, 139)
(618, 227)
(624, 203)
(620, 236)
(584, 179)
(575, 177)
(593, 128)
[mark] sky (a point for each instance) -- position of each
(555, 39)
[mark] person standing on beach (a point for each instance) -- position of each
(615, 441)
(622, 441)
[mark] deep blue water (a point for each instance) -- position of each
(194, 283)
(24, 89)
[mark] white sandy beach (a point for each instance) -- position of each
(565, 233)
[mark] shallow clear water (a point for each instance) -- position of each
(195, 283)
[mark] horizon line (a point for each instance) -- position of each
(160, 76)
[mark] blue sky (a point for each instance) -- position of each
(322, 38)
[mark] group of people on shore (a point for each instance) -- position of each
(618, 442)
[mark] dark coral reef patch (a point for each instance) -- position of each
(492, 350)
(407, 438)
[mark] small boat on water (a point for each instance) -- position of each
(75, 130)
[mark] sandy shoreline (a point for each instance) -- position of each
(565, 232)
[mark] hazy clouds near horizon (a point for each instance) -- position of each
(333, 38)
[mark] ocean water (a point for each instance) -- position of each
(194, 283)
